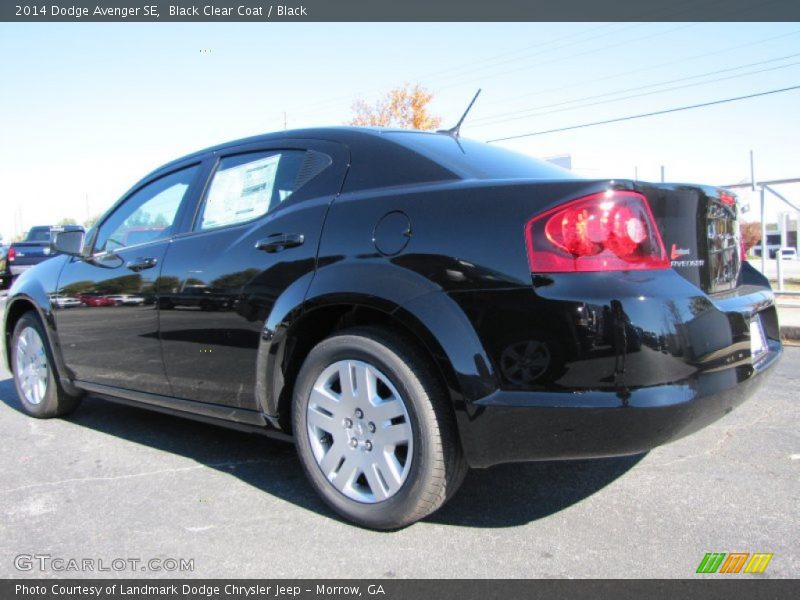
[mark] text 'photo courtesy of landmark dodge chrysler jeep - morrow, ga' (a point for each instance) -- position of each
(403, 306)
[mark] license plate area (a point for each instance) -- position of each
(758, 341)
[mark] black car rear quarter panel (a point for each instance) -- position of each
(556, 366)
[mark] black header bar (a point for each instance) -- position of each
(254, 11)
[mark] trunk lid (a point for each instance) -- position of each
(700, 229)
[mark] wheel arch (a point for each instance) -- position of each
(23, 302)
(16, 307)
(432, 321)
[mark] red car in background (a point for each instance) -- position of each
(95, 300)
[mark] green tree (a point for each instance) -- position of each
(140, 218)
(78, 287)
(126, 284)
(234, 281)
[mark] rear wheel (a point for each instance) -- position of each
(39, 390)
(374, 429)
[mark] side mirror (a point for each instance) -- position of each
(68, 241)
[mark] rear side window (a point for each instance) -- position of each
(247, 186)
(475, 160)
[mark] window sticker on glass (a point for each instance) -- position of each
(240, 193)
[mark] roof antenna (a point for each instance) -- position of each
(456, 131)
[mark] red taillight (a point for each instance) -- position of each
(742, 250)
(607, 231)
(12, 254)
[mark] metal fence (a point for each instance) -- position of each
(764, 188)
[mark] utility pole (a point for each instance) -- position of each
(752, 174)
(284, 120)
(636, 173)
(662, 173)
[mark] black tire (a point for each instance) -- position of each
(55, 402)
(437, 465)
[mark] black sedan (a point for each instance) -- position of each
(404, 306)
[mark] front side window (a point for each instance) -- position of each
(247, 186)
(147, 215)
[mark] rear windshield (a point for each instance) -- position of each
(476, 160)
(38, 235)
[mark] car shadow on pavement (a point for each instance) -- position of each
(502, 496)
(518, 493)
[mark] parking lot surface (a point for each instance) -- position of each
(115, 482)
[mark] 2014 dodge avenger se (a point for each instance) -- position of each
(404, 305)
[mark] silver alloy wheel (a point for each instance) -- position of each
(360, 431)
(31, 363)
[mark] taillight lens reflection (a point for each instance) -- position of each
(607, 231)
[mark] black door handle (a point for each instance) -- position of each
(280, 241)
(140, 264)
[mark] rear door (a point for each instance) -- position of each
(254, 233)
(116, 342)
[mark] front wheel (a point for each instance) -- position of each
(39, 390)
(374, 429)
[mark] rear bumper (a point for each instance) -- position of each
(610, 364)
(19, 269)
(523, 426)
(23, 263)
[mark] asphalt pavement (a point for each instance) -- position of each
(117, 483)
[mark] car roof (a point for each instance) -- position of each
(343, 135)
(382, 161)
(382, 157)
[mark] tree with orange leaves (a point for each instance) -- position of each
(750, 233)
(404, 107)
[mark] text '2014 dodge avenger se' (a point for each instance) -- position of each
(404, 305)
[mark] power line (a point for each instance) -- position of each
(590, 34)
(526, 50)
(632, 89)
(530, 113)
(454, 74)
(583, 82)
(472, 76)
(459, 79)
(650, 114)
(470, 68)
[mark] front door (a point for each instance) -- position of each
(111, 338)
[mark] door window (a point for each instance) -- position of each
(147, 215)
(247, 186)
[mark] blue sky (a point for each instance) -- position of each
(86, 109)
